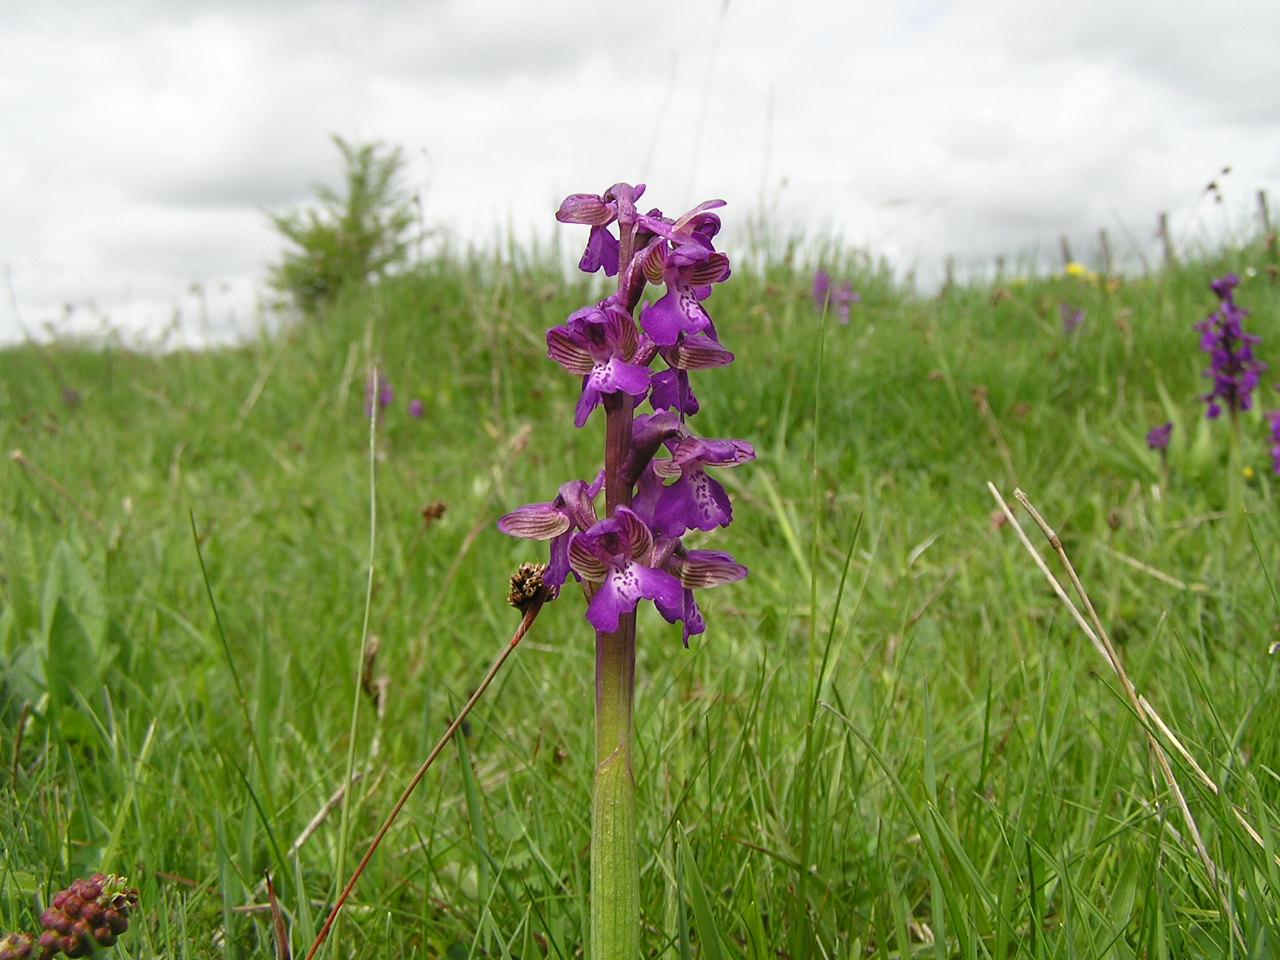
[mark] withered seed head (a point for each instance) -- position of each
(526, 585)
(433, 511)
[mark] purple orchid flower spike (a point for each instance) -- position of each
(821, 290)
(377, 392)
(635, 553)
(1158, 437)
(598, 343)
(696, 501)
(613, 553)
(1233, 368)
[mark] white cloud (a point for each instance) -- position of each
(141, 139)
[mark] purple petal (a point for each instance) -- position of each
(586, 208)
(687, 611)
(589, 400)
(578, 498)
(670, 390)
(585, 558)
(601, 253)
(697, 352)
(534, 521)
(677, 312)
(558, 569)
(566, 348)
(694, 502)
(708, 568)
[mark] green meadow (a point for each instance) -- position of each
(894, 739)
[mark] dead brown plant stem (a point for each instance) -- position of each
(531, 614)
(22, 460)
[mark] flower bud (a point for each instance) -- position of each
(16, 946)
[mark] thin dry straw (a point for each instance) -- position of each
(1142, 709)
(1144, 704)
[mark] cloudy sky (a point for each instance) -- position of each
(141, 140)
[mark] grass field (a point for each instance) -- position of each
(892, 741)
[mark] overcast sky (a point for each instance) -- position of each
(142, 139)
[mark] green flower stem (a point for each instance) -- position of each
(615, 857)
(1235, 484)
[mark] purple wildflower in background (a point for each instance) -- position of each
(1274, 418)
(1158, 437)
(840, 299)
(416, 409)
(821, 290)
(1234, 369)
(844, 299)
(385, 395)
(1072, 317)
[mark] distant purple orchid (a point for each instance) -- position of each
(1072, 317)
(377, 389)
(1274, 419)
(1234, 369)
(821, 290)
(827, 297)
(416, 409)
(1158, 437)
